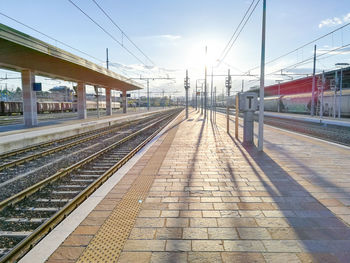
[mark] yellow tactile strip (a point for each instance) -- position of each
(108, 243)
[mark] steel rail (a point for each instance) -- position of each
(61, 147)
(26, 244)
(32, 147)
(34, 188)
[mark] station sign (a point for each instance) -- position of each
(37, 86)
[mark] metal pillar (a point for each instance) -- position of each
(322, 89)
(187, 86)
(196, 96)
(228, 87)
(262, 80)
(335, 93)
(205, 86)
(236, 115)
(202, 99)
(340, 93)
(81, 101)
(148, 94)
(125, 101)
(29, 99)
(211, 93)
(108, 102)
(313, 85)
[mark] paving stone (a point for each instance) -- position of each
(242, 257)
(204, 257)
(177, 222)
(253, 233)
(207, 245)
(190, 213)
(160, 257)
(128, 257)
(203, 222)
(195, 233)
(169, 233)
(236, 222)
(281, 257)
(142, 233)
(178, 245)
(244, 245)
(144, 245)
(282, 245)
(222, 233)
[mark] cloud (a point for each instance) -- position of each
(334, 21)
(334, 50)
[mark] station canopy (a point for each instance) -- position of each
(19, 51)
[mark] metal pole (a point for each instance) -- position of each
(211, 93)
(322, 88)
(262, 80)
(196, 95)
(202, 99)
(107, 61)
(215, 104)
(228, 85)
(236, 117)
(340, 92)
(148, 94)
(186, 88)
(242, 85)
(313, 85)
(205, 85)
(335, 93)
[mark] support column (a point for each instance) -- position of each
(125, 101)
(29, 99)
(81, 101)
(108, 102)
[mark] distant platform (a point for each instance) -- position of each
(55, 129)
(344, 122)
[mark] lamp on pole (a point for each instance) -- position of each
(341, 65)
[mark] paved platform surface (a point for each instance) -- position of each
(214, 200)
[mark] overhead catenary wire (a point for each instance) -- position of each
(234, 33)
(122, 31)
(252, 11)
(108, 33)
(302, 46)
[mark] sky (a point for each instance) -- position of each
(174, 34)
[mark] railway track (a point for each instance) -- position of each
(332, 133)
(18, 119)
(29, 167)
(20, 156)
(29, 215)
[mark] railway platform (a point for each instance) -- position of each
(341, 122)
(22, 137)
(196, 194)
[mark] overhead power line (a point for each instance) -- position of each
(123, 33)
(58, 41)
(302, 46)
(237, 35)
(109, 34)
(234, 33)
